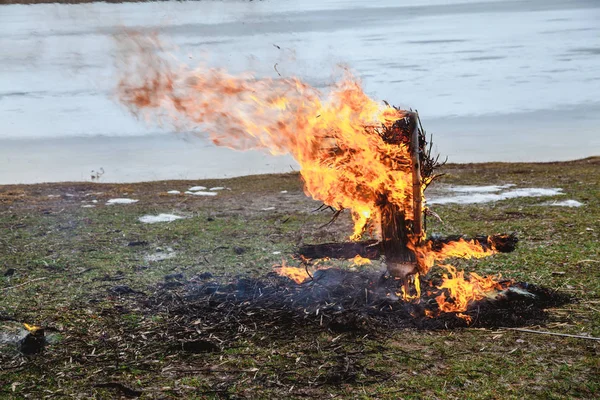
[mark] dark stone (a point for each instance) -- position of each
(10, 272)
(205, 276)
(239, 250)
(199, 346)
(137, 243)
(172, 277)
(33, 343)
(210, 219)
(121, 289)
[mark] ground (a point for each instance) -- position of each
(67, 268)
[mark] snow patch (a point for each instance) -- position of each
(88, 206)
(174, 192)
(121, 201)
(564, 203)
(196, 188)
(161, 254)
(479, 189)
(283, 192)
(268, 208)
(216, 188)
(488, 197)
(202, 193)
(152, 219)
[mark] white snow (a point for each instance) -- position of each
(196, 188)
(487, 197)
(283, 192)
(276, 252)
(121, 201)
(174, 192)
(479, 189)
(202, 193)
(152, 219)
(564, 203)
(161, 255)
(88, 206)
(268, 208)
(216, 188)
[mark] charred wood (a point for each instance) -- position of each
(372, 249)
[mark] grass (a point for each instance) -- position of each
(67, 258)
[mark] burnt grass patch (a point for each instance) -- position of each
(334, 300)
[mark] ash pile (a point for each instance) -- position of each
(337, 300)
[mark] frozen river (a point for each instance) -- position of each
(492, 80)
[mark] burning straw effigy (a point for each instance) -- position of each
(355, 154)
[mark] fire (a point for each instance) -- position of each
(298, 275)
(334, 136)
(463, 291)
(31, 328)
(459, 249)
(337, 137)
(358, 261)
(407, 296)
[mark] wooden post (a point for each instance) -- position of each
(396, 229)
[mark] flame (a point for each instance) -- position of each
(461, 249)
(463, 291)
(298, 275)
(358, 260)
(334, 136)
(407, 296)
(31, 328)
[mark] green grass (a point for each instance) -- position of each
(66, 258)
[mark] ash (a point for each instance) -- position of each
(339, 301)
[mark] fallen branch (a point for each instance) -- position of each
(24, 283)
(127, 392)
(553, 333)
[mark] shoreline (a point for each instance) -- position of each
(256, 178)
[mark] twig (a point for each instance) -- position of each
(275, 68)
(127, 392)
(24, 283)
(553, 333)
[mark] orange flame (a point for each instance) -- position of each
(334, 137)
(31, 328)
(298, 275)
(358, 261)
(460, 249)
(407, 296)
(463, 291)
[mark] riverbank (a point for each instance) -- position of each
(84, 266)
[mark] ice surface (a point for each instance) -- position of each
(121, 201)
(479, 189)
(486, 92)
(486, 197)
(152, 219)
(564, 203)
(202, 193)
